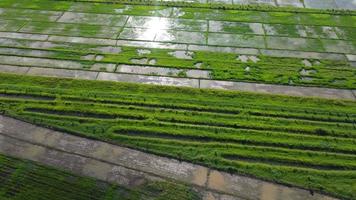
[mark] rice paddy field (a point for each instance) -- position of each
(259, 44)
(302, 142)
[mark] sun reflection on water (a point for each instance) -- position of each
(155, 26)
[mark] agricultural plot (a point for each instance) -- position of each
(311, 4)
(21, 179)
(298, 48)
(308, 143)
(302, 142)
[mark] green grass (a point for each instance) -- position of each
(305, 142)
(22, 179)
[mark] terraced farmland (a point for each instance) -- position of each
(21, 179)
(303, 142)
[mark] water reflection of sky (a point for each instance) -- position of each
(155, 26)
(163, 29)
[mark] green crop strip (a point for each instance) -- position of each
(22, 179)
(63, 4)
(271, 15)
(306, 142)
(220, 66)
(217, 5)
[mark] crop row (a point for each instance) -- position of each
(248, 12)
(224, 6)
(173, 105)
(236, 121)
(243, 104)
(259, 136)
(20, 179)
(221, 66)
(205, 136)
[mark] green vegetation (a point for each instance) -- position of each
(283, 29)
(22, 179)
(306, 142)
(222, 66)
(270, 15)
(218, 5)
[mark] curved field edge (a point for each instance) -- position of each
(23, 179)
(304, 142)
